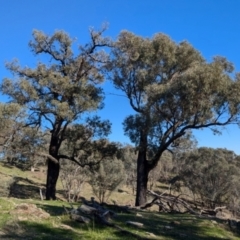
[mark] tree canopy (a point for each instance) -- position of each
(58, 92)
(170, 86)
(210, 174)
(172, 89)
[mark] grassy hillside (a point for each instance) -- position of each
(24, 216)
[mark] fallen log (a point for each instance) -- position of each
(212, 212)
(135, 224)
(79, 218)
(148, 204)
(87, 209)
(172, 202)
(208, 212)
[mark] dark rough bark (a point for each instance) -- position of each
(53, 168)
(143, 168)
(142, 178)
(52, 177)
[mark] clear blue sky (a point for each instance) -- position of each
(212, 27)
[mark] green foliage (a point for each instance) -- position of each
(163, 171)
(19, 142)
(172, 89)
(86, 144)
(73, 178)
(128, 156)
(26, 148)
(210, 174)
(58, 92)
(65, 88)
(11, 117)
(106, 178)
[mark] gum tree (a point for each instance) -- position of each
(172, 89)
(58, 91)
(11, 120)
(210, 174)
(87, 146)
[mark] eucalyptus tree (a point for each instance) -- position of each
(172, 89)
(11, 117)
(19, 144)
(58, 90)
(210, 174)
(25, 147)
(87, 144)
(106, 178)
(128, 155)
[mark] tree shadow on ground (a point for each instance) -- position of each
(35, 231)
(8, 165)
(177, 226)
(24, 188)
(165, 226)
(96, 228)
(16, 164)
(52, 210)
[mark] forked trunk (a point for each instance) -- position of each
(142, 178)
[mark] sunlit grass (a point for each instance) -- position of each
(60, 226)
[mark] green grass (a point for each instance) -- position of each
(164, 226)
(178, 226)
(59, 226)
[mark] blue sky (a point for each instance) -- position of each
(212, 27)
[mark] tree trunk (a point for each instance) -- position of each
(142, 178)
(52, 177)
(53, 168)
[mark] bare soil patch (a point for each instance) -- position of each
(28, 211)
